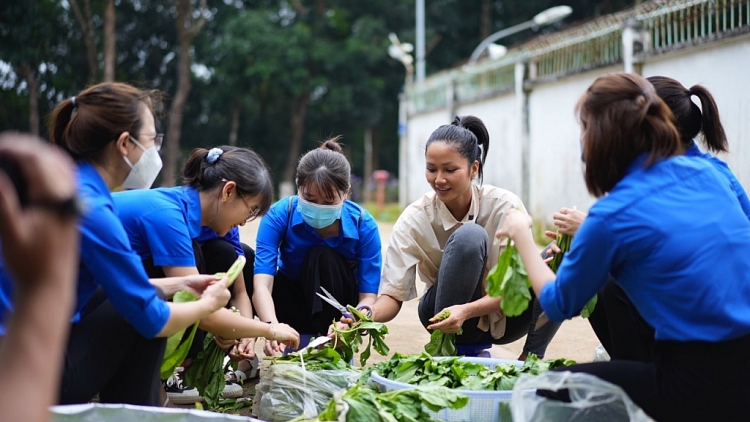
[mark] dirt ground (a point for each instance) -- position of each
(575, 339)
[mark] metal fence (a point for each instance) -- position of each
(668, 25)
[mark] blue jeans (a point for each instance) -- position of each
(459, 281)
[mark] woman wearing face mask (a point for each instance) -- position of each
(444, 237)
(315, 240)
(224, 188)
(116, 341)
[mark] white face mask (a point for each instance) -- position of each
(144, 172)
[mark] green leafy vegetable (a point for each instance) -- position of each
(509, 280)
(351, 338)
(588, 309)
(234, 271)
(442, 344)
(175, 351)
(326, 358)
(206, 373)
(361, 404)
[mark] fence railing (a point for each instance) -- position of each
(668, 24)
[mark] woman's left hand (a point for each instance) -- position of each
(225, 343)
(244, 350)
(197, 283)
(453, 323)
(515, 222)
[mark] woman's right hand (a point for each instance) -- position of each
(285, 335)
(217, 294)
(568, 220)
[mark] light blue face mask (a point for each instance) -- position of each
(319, 216)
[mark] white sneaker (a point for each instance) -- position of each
(179, 393)
(232, 390)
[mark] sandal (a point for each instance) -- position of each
(241, 376)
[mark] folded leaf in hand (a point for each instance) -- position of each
(509, 280)
(175, 351)
(442, 344)
(234, 271)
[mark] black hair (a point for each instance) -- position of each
(325, 167)
(469, 137)
(689, 119)
(240, 165)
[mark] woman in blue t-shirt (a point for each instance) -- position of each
(116, 341)
(317, 239)
(224, 188)
(669, 229)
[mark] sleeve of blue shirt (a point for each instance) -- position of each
(106, 253)
(168, 238)
(369, 255)
(270, 233)
(734, 183)
(583, 271)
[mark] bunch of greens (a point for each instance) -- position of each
(361, 404)
(177, 349)
(424, 370)
(563, 242)
(509, 280)
(348, 340)
(442, 344)
(326, 358)
(206, 373)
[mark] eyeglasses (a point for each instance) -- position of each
(253, 214)
(158, 140)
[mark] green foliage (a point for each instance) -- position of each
(442, 344)
(175, 351)
(326, 358)
(389, 213)
(508, 279)
(351, 338)
(206, 373)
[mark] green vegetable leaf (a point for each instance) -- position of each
(175, 351)
(589, 308)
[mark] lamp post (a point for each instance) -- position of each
(546, 17)
(401, 52)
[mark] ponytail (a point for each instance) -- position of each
(59, 124)
(713, 131)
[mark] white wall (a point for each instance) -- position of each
(723, 68)
(503, 163)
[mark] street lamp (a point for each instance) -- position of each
(546, 17)
(401, 52)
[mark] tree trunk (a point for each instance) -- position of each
(235, 126)
(297, 121)
(187, 30)
(29, 75)
(87, 28)
(109, 41)
(486, 19)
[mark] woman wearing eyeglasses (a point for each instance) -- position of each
(316, 239)
(224, 188)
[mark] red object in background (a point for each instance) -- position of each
(381, 176)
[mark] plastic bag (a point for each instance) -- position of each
(95, 412)
(592, 400)
(286, 391)
(600, 354)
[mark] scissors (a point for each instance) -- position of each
(335, 303)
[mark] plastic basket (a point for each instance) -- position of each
(489, 406)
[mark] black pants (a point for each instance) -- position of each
(295, 300)
(620, 327)
(689, 381)
(106, 355)
(214, 256)
(460, 280)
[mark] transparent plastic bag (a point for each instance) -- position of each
(600, 354)
(286, 391)
(591, 400)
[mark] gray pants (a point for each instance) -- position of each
(459, 281)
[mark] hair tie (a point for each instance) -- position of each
(213, 155)
(73, 101)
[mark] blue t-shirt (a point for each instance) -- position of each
(107, 260)
(674, 237)
(233, 237)
(358, 242)
(723, 168)
(161, 223)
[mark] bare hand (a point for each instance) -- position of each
(246, 349)
(39, 243)
(286, 335)
(225, 343)
(217, 294)
(197, 283)
(568, 220)
(453, 323)
(515, 222)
